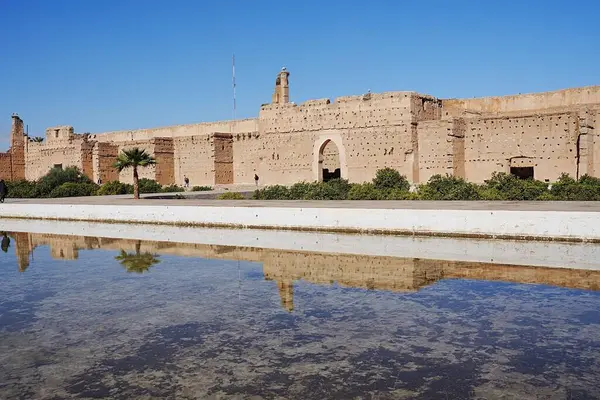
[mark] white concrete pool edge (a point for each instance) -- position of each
(533, 253)
(541, 225)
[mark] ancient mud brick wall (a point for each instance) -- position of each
(547, 142)
(61, 147)
(374, 131)
(104, 156)
(164, 154)
(435, 148)
(87, 159)
(5, 166)
(249, 151)
(239, 126)
(223, 158)
(17, 148)
(520, 103)
(194, 158)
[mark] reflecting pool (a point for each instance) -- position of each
(90, 317)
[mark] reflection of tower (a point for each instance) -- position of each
(286, 292)
(22, 249)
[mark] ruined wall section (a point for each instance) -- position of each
(104, 156)
(5, 166)
(164, 151)
(547, 142)
(175, 131)
(193, 157)
(18, 142)
(250, 157)
(523, 102)
(223, 158)
(377, 131)
(62, 147)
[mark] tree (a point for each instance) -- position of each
(36, 139)
(134, 158)
(137, 262)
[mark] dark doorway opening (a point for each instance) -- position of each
(522, 172)
(327, 176)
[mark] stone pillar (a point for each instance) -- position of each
(17, 148)
(458, 147)
(585, 145)
(104, 156)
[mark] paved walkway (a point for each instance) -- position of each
(170, 199)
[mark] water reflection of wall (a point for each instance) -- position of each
(349, 270)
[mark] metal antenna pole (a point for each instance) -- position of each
(233, 83)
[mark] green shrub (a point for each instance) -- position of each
(149, 186)
(275, 192)
(171, 189)
(547, 196)
(364, 191)
(389, 178)
(486, 193)
(114, 188)
(335, 189)
(512, 188)
(448, 188)
(22, 189)
(568, 189)
(72, 189)
(57, 176)
(231, 196)
(201, 188)
(398, 194)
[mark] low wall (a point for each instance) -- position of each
(501, 224)
(531, 253)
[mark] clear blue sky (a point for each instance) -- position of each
(103, 65)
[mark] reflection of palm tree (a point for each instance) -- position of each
(137, 262)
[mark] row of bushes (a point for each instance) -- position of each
(388, 184)
(70, 182)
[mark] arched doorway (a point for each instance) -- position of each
(329, 162)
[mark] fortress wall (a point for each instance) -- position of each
(547, 142)
(249, 157)
(435, 148)
(238, 126)
(283, 158)
(41, 157)
(223, 158)
(352, 112)
(523, 102)
(595, 132)
(194, 157)
(370, 149)
(164, 153)
(5, 166)
(104, 156)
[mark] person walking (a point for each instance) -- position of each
(186, 181)
(3, 190)
(256, 180)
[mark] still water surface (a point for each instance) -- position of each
(84, 317)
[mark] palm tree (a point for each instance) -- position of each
(36, 139)
(137, 262)
(134, 158)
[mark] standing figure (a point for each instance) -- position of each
(256, 180)
(186, 181)
(3, 190)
